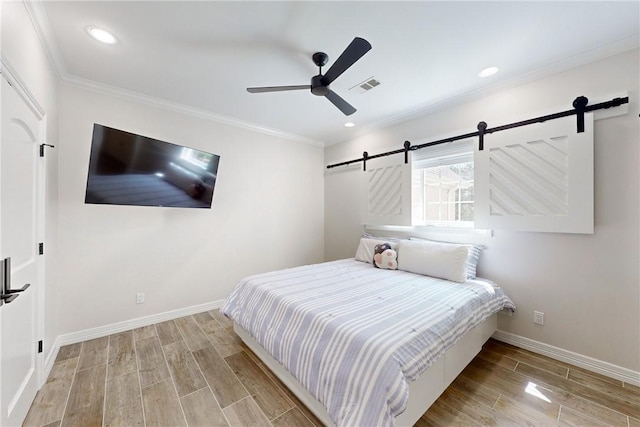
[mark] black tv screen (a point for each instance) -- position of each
(130, 169)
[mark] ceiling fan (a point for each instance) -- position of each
(320, 84)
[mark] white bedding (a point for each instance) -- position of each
(354, 336)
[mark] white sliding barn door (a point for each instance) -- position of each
(536, 178)
(388, 191)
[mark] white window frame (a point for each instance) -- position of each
(456, 152)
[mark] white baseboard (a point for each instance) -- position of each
(605, 368)
(114, 328)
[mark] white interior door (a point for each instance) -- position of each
(20, 229)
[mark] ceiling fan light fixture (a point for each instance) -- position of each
(101, 35)
(488, 72)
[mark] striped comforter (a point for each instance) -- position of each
(355, 336)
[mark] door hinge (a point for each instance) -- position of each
(40, 346)
(41, 248)
(42, 148)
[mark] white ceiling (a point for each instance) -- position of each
(202, 55)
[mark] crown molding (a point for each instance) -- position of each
(183, 109)
(594, 55)
(42, 27)
(11, 75)
(37, 14)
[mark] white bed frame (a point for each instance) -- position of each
(422, 392)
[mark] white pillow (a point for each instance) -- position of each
(444, 260)
(472, 260)
(366, 248)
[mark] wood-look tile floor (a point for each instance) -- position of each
(194, 371)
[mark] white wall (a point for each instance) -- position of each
(268, 211)
(267, 214)
(588, 286)
(22, 49)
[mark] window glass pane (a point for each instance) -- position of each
(466, 212)
(446, 196)
(466, 192)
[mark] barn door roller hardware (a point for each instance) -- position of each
(580, 107)
(366, 156)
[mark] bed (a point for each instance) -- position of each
(364, 346)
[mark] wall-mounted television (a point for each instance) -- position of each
(130, 169)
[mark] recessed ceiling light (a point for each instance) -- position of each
(349, 125)
(488, 72)
(101, 35)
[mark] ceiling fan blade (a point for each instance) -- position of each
(342, 105)
(276, 88)
(356, 50)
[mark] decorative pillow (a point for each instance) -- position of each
(385, 257)
(472, 260)
(444, 260)
(366, 249)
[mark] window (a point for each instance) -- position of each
(535, 178)
(442, 190)
(443, 194)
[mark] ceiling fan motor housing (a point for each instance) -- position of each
(318, 87)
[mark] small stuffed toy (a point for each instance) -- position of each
(385, 257)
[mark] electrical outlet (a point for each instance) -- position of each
(139, 297)
(538, 317)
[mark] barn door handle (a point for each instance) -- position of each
(6, 293)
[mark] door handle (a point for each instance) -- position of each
(4, 277)
(9, 298)
(15, 291)
(6, 293)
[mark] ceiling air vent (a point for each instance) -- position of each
(365, 85)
